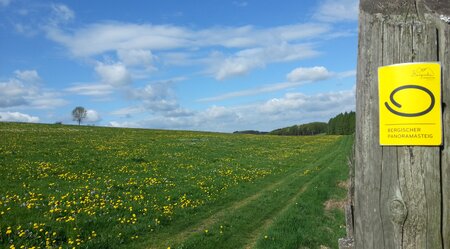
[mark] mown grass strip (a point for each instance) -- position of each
(250, 197)
(241, 227)
(307, 224)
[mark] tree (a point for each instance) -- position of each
(78, 114)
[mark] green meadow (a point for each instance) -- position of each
(95, 187)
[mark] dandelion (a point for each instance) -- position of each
(8, 231)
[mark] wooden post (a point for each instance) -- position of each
(402, 194)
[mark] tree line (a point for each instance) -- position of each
(302, 130)
(341, 124)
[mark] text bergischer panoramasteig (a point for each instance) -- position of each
(407, 133)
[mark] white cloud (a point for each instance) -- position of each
(178, 59)
(219, 112)
(100, 38)
(301, 103)
(309, 74)
(113, 74)
(92, 116)
(249, 36)
(24, 90)
(14, 93)
(246, 60)
(103, 37)
(46, 100)
(17, 117)
(91, 89)
(337, 10)
(28, 76)
(154, 97)
(179, 112)
(134, 57)
(251, 92)
(296, 77)
(292, 108)
(236, 66)
(157, 97)
(142, 45)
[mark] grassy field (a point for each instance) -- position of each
(91, 187)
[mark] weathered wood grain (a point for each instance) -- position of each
(368, 225)
(401, 7)
(444, 56)
(402, 194)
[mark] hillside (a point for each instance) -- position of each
(97, 187)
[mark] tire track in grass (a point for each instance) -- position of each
(255, 235)
(216, 217)
(268, 222)
(253, 238)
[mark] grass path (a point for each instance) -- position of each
(306, 224)
(268, 222)
(330, 157)
(254, 215)
(215, 218)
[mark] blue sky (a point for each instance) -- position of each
(211, 65)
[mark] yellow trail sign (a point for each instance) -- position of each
(410, 104)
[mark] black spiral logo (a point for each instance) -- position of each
(399, 105)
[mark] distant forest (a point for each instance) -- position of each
(302, 130)
(342, 124)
